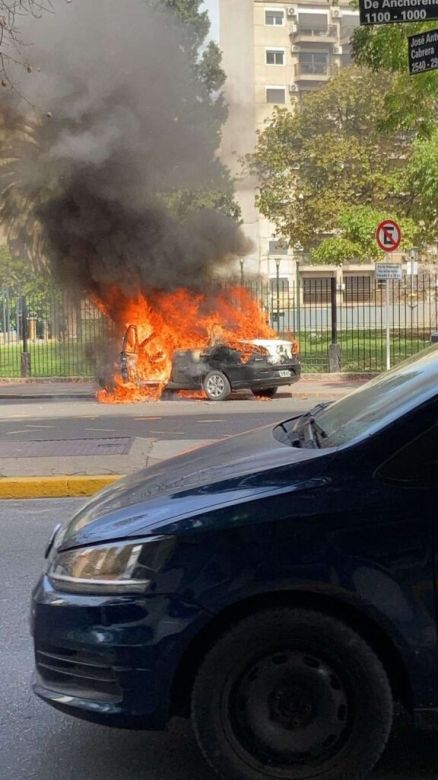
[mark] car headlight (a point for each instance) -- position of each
(116, 567)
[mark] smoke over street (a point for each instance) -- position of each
(110, 122)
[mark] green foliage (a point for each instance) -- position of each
(196, 22)
(207, 64)
(356, 241)
(410, 103)
(420, 184)
(19, 277)
(327, 158)
(336, 251)
(359, 225)
(207, 68)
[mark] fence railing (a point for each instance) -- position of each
(339, 327)
(353, 317)
(50, 336)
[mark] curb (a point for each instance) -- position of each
(62, 486)
(45, 397)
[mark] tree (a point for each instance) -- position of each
(331, 155)
(420, 183)
(356, 242)
(11, 43)
(410, 104)
(197, 25)
(207, 67)
(19, 278)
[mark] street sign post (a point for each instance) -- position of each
(388, 237)
(423, 52)
(397, 11)
(384, 273)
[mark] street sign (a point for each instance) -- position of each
(398, 11)
(423, 51)
(388, 235)
(386, 271)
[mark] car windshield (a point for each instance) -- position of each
(381, 401)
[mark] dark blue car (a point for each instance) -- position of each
(279, 588)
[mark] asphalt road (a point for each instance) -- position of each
(38, 743)
(32, 420)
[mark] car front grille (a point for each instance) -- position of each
(70, 671)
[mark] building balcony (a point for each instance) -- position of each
(311, 71)
(302, 35)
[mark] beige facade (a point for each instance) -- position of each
(273, 52)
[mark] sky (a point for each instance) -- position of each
(212, 8)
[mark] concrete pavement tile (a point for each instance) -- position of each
(161, 450)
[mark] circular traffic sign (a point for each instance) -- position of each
(388, 235)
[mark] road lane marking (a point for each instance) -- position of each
(172, 433)
(112, 430)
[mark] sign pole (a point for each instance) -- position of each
(388, 333)
(388, 237)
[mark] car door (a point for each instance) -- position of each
(408, 551)
(368, 536)
(228, 360)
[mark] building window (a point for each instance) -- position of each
(357, 289)
(313, 24)
(276, 95)
(274, 18)
(313, 62)
(275, 56)
(317, 290)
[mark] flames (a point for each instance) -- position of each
(166, 321)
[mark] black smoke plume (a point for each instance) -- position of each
(110, 122)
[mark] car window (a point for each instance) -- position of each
(414, 464)
(380, 401)
(224, 354)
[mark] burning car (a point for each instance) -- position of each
(261, 365)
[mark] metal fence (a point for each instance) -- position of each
(339, 327)
(344, 326)
(50, 335)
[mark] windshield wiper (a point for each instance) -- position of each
(317, 432)
(293, 438)
(295, 429)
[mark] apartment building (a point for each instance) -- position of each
(273, 53)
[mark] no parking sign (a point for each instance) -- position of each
(388, 235)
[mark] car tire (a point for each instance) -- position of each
(216, 386)
(291, 694)
(268, 393)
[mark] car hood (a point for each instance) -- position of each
(151, 501)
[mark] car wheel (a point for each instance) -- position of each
(291, 694)
(217, 386)
(268, 393)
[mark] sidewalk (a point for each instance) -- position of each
(47, 469)
(310, 385)
(39, 389)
